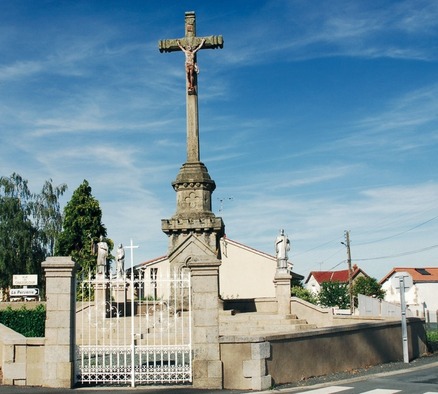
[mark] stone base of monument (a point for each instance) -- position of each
(282, 291)
(118, 291)
(101, 291)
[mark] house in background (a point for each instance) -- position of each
(422, 297)
(244, 271)
(316, 278)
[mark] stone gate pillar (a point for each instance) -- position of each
(207, 365)
(60, 322)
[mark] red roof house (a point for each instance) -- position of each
(316, 278)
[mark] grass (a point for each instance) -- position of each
(432, 339)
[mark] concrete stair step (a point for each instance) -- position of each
(266, 330)
(256, 316)
(260, 319)
(254, 323)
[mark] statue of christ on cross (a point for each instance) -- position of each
(190, 45)
(191, 66)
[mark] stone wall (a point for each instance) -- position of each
(22, 359)
(47, 361)
(293, 357)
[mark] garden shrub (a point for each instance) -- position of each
(28, 322)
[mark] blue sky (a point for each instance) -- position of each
(316, 117)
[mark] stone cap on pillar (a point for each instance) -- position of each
(282, 276)
(204, 264)
(59, 263)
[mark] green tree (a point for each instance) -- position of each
(81, 229)
(369, 287)
(24, 234)
(334, 294)
(304, 294)
(48, 213)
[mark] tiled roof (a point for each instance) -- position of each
(231, 241)
(330, 276)
(334, 276)
(151, 262)
(419, 275)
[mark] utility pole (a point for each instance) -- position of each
(350, 273)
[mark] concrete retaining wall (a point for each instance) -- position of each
(293, 357)
(45, 361)
(22, 359)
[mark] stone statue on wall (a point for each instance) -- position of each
(282, 246)
(120, 261)
(102, 255)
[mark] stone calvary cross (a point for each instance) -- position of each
(190, 45)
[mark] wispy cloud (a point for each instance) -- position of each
(340, 28)
(20, 70)
(315, 148)
(413, 118)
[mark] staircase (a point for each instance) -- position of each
(255, 323)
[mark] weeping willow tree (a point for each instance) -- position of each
(29, 225)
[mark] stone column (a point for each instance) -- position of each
(207, 364)
(282, 291)
(60, 322)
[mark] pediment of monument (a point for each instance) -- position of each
(192, 248)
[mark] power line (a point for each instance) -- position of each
(396, 235)
(400, 254)
(337, 265)
(319, 246)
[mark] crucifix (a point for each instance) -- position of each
(190, 45)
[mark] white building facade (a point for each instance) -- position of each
(244, 272)
(421, 298)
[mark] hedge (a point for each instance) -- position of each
(28, 322)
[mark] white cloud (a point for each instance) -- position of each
(343, 28)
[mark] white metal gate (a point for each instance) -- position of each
(134, 331)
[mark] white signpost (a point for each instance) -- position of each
(24, 292)
(403, 281)
(24, 280)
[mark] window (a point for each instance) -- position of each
(422, 271)
(154, 274)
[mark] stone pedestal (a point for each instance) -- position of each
(282, 291)
(207, 364)
(101, 291)
(60, 322)
(119, 291)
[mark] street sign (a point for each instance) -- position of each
(408, 282)
(402, 281)
(24, 292)
(25, 280)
